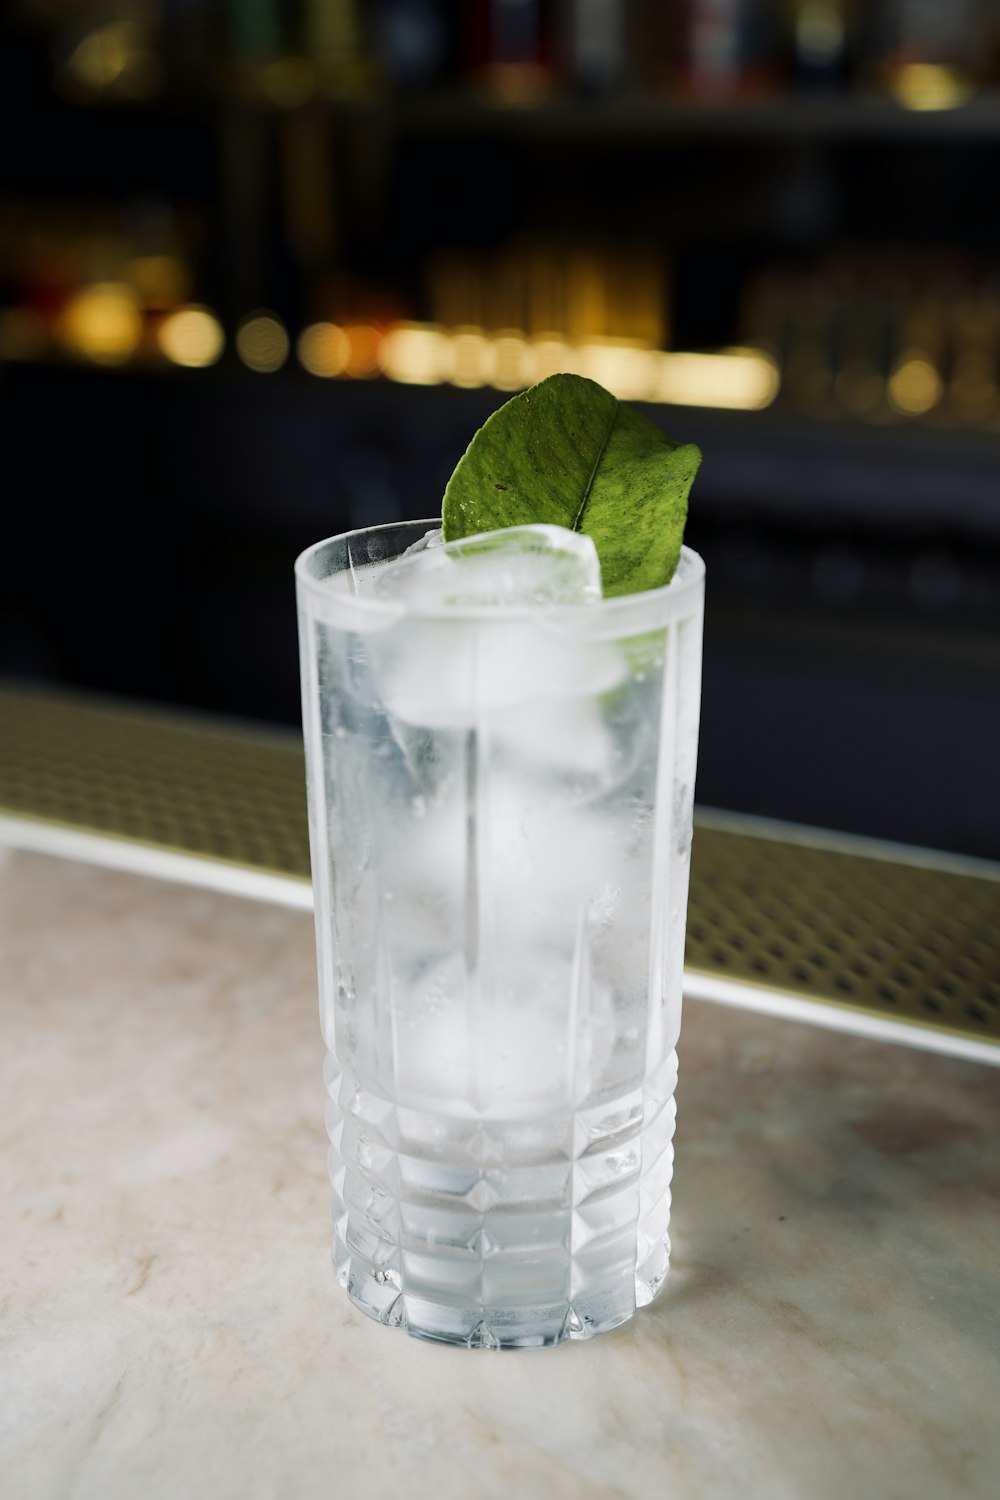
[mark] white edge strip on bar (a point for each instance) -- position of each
(286, 890)
(162, 864)
(752, 826)
(699, 986)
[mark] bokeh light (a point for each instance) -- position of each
(628, 370)
(513, 361)
(472, 358)
(550, 354)
(102, 323)
(416, 354)
(733, 380)
(192, 337)
(915, 386)
(364, 342)
(324, 350)
(262, 342)
(930, 86)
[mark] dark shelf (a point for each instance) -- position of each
(649, 119)
(906, 475)
(779, 465)
(628, 118)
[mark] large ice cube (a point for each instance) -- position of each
(482, 628)
(520, 565)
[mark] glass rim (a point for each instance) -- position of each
(607, 608)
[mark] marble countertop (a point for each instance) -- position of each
(170, 1322)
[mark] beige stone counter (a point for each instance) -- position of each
(170, 1322)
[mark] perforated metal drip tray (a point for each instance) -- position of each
(872, 931)
(905, 938)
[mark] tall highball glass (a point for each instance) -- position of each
(500, 817)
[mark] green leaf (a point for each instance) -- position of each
(568, 453)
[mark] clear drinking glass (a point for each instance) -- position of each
(500, 815)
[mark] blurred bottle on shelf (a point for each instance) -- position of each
(412, 41)
(719, 50)
(592, 45)
(863, 308)
(286, 53)
(334, 44)
(506, 48)
(190, 43)
(884, 335)
(916, 380)
(973, 394)
(553, 290)
(309, 221)
(928, 54)
(992, 41)
(809, 377)
(253, 30)
(821, 39)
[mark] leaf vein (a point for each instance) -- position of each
(593, 473)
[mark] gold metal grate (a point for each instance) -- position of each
(892, 938)
(174, 783)
(898, 939)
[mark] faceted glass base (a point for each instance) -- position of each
(478, 1327)
(502, 1233)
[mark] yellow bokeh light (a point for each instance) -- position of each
(262, 343)
(472, 358)
(915, 386)
(102, 322)
(101, 57)
(426, 354)
(733, 380)
(551, 355)
(629, 371)
(513, 361)
(416, 354)
(192, 337)
(928, 86)
(116, 56)
(364, 342)
(324, 349)
(819, 29)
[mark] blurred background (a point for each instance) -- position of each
(265, 267)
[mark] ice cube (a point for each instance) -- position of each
(432, 538)
(518, 566)
(443, 674)
(438, 668)
(564, 737)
